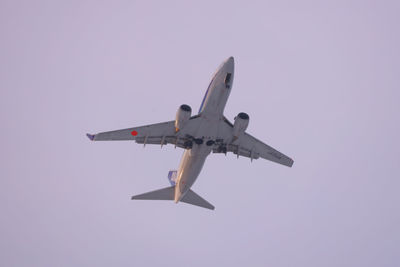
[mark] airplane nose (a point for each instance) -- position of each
(229, 64)
(230, 60)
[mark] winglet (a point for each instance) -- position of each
(291, 163)
(91, 136)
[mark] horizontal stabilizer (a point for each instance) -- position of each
(192, 198)
(167, 193)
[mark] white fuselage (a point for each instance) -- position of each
(211, 113)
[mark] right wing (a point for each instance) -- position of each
(248, 146)
(160, 133)
(253, 148)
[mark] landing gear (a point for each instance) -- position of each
(221, 149)
(210, 142)
(198, 141)
(188, 144)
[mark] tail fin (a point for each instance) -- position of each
(192, 198)
(172, 176)
(167, 193)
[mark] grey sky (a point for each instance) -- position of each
(319, 79)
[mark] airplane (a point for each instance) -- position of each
(199, 135)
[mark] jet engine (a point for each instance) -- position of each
(240, 125)
(182, 116)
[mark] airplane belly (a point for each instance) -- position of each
(216, 101)
(190, 168)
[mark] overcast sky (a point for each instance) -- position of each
(319, 79)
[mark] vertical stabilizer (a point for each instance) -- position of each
(172, 176)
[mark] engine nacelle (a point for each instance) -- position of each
(240, 125)
(182, 116)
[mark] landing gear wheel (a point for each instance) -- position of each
(210, 142)
(198, 141)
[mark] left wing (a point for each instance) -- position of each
(152, 131)
(248, 146)
(160, 133)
